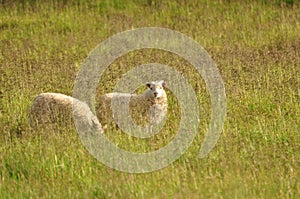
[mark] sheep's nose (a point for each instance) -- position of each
(155, 94)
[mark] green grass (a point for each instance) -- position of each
(256, 46)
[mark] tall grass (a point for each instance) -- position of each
(256, 46)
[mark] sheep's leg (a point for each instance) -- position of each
(150, 129)
(157, 116)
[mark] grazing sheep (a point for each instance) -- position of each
(153, 102)
(48, 108)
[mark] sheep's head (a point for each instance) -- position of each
(156, 89)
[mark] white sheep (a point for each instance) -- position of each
(48, 108)
(150, 106)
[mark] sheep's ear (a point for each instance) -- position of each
(163, 83)
(148, 84)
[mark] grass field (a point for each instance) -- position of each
(256, 46)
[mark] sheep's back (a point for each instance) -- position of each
(50, 108)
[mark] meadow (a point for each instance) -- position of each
(256, 47)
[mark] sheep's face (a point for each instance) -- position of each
(156, 89)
